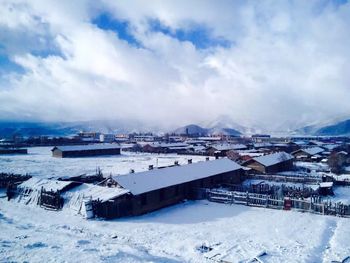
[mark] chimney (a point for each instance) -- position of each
(189, 161)
(150, 167)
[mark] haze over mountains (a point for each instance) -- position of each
(223, 125)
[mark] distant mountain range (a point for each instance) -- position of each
(341, 128)
(223, 125)
(71, 128)
(193, 129)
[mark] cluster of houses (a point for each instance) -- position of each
(138, 193)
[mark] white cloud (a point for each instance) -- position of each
(287, 64)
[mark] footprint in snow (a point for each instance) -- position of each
(35, 245)
(83, 242)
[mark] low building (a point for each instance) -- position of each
(85, 150)
(306, 154)
(271, 163)
(158, 147)
(158, 188)
(13, 151)
(222, 149)
(107, 137)
(326, 188)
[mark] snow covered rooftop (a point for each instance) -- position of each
(326, 184)
(274, 158)
(86, 147)
(330, 147)
(262, 144)
(313, 150)
(36, 183)
(99, 192)
(168, 145)
(225, 147)
(143, 182)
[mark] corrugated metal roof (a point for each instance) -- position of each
(86, 147)
(143, 182)
(274, 158)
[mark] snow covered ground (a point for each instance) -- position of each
(318, 167)
(39, 162)
(236, 233)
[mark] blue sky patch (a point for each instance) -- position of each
(122, 28)
(199, 36)
(7, 65)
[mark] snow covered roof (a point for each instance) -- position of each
(143, 182)
(86, 147)
(330, 146)
(167, 145)
(313, 150)
(262, 144)
(326, 184)
(300, 143)
(342, 152)
(36, 183)
(274, 158)
(225, 147)
(99, 192)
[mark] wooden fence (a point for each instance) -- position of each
(291, 179)
(313, 204)
(50, 199)
(7, 179)
(282, 190)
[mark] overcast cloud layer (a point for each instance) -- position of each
(268, 63)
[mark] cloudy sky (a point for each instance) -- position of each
(266, 63)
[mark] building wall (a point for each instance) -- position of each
(280, 167)
(257, 166)
(57, 153)
(66, 154)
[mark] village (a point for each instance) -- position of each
(308, 174)
(125, 179)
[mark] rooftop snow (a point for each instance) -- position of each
(225, 147)
(99, 192)
(143, 182)
(167, 145)
(326, 184)
(274, 158)
(313, 150)
(87, 147)
(36, 183)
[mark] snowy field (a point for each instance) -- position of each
(39, 162)
(236, 233)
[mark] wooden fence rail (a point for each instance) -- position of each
(313, 204)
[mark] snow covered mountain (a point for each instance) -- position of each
(214, 129)
(9, 128)
(224, 124)
(335, 128)
(191, 129)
